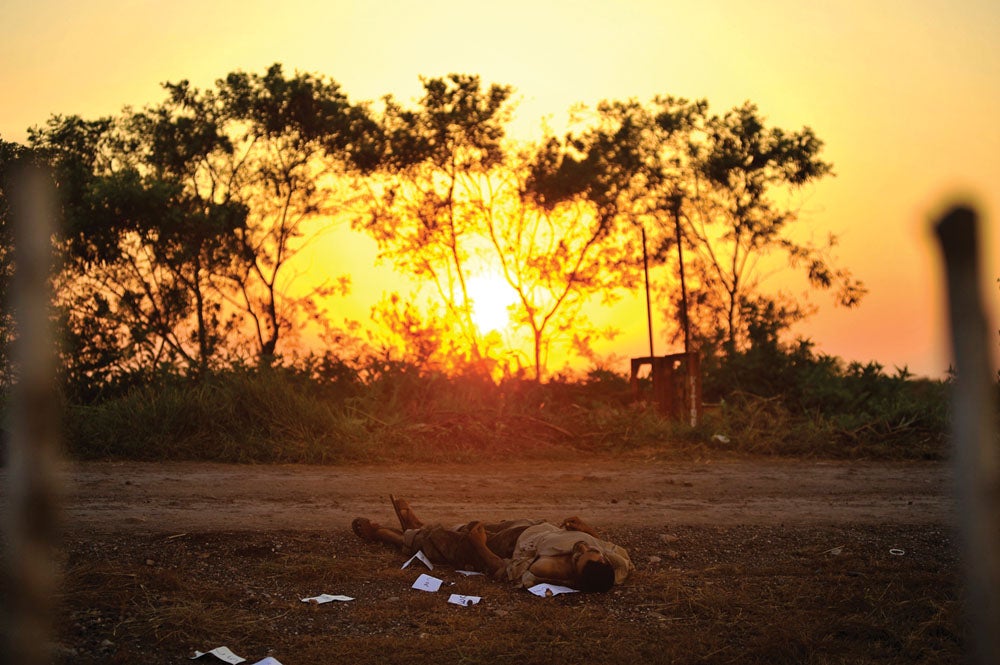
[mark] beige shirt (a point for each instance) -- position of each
(549, 540)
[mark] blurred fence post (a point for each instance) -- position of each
(976, 459)
(31, 519)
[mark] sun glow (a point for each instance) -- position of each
(490, 297)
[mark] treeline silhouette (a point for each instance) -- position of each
(183, 223)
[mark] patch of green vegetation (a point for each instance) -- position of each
(789, 400)
(783, 402)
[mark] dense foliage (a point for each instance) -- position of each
(183, 221)
(325, 411)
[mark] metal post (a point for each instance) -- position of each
(649, 309)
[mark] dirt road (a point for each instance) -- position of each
(856, 559)
(196, 497)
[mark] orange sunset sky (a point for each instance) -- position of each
(905, 94)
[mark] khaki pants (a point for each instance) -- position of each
(451, 546)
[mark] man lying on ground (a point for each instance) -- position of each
(528, 552)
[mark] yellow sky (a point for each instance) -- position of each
(906, 95)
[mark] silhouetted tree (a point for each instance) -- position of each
(424, 212)
(183, 219)
(715, 186)
(735, 215)
(453, 196)
(143, 258)
(284, 142)
(610, 167)
(557, 248)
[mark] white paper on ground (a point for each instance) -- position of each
(223, 654)
(325, 598)
(427, 583)
(464, 601)
(467, 572)
(544, 590)
(268, 661)
(420, 556)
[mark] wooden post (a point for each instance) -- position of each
(976, 461)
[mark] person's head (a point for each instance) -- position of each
(593, 571)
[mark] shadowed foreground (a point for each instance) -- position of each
(732, 594)
(872, 578)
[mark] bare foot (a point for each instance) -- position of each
(407, 518)
(365, 529)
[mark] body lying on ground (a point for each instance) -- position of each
(526, 552)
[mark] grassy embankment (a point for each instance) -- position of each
(393, 411)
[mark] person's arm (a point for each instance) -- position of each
(577, 524)
(556, 570)
(496, 565)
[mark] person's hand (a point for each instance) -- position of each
(576, 524)
(477, 533)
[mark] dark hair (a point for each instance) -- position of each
(597, 576)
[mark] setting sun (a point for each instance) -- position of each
(863, 78)
(491, 296)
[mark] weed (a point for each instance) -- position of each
(329, 413)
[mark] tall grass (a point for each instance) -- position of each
(326, 412)
(239, 416)
(789, 400)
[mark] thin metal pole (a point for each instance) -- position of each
(689, 363)
(684, 295)
(649, 309)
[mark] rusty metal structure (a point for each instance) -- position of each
(676, 385)
(676, 377)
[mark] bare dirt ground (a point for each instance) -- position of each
(192, 497)
(736, 561)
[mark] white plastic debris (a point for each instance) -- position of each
(548, 590)
(427, 583)
(222, 653)
(464, 601)
(326, 598)
(422, 558)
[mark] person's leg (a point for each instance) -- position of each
(461, 547)
(365, 529)
(407, 518)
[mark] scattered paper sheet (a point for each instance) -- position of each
(427, 583)
(467, 572)
(325, 598)
(420, 556)
(222, 653)
(268, 661)
(545, 590)
(465, 601)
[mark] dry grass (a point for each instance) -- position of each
(706, 594)
(286, 417)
